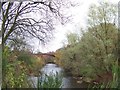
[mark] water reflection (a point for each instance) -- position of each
(51, 69)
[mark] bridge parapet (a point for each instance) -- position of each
(45, 54)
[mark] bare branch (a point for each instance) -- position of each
(19, 19)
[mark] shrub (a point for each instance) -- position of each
(111, 84)
(50, 81)
(26, 57)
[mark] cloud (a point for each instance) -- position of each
(79, 20)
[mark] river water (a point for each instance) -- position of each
(67, 81)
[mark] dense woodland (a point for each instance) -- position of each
(92, 54)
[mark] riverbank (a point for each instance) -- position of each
(73, 81)
(105, 78)
(68, 81)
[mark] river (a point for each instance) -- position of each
(67, 81)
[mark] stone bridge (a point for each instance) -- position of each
(44, 54)
(48, 57)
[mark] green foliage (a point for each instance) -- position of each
(92, 55)
(37, 64)
(5, 59)
(87, 71)
(72, 38)
(50, 81)
(104, 12)
(118, 77)
(110, 84)
(26, 57)
(15, 75)
(14, 71)
(95, 52)
(0, 64)
(68, 58)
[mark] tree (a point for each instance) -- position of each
(0, 64)
(19, 44)
(72, 38)
(19, 22)
(95, 51)
(105, 12)
(103, 15)
(19, 19)
(119, 33)
(99, 43)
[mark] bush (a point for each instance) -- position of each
(48, 81)
(114, 83)
(26, 57)
(14, 71)
(16, 75)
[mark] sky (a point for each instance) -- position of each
(79, 14)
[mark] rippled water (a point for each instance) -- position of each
(51, 69)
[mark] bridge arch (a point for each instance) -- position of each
(48, 57)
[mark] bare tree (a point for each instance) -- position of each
(29, 19)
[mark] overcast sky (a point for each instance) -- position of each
(79, 14)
